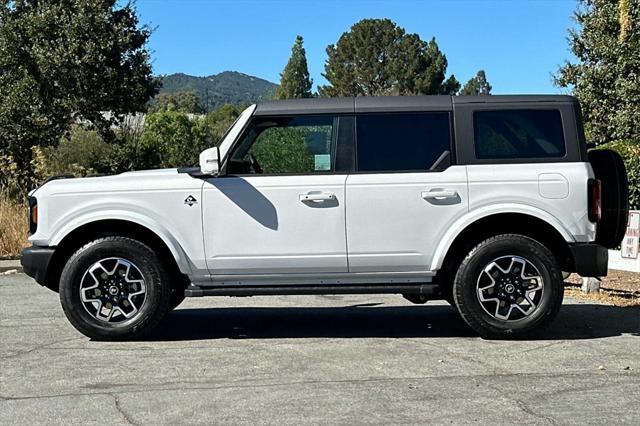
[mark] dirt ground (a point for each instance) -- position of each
(615, 280)
(618, 288)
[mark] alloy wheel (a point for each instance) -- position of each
(510, 288)
(113, 290)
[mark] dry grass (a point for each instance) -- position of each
(606, 297)
(615, 280)
(14, 228)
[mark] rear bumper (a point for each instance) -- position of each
(35, 262)
(590, 259)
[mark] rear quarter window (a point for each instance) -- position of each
(504, 134)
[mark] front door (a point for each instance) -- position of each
(280, 208)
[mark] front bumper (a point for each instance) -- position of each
(35, 262)
(590, 259)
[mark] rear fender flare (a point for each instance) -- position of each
(465, 221)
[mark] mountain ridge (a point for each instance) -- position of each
(232, 87)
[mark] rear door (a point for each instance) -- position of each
(405, 192)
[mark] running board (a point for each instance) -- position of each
(291, 290)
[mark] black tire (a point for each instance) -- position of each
(468, 277)
(156, 300)
(177, 297)
(445, 279)
(415, 298)
(609, 168)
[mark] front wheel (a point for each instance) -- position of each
(508, 286)
(114, 288)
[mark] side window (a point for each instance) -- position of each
(274, 145)
(518, 134)
(403, 141)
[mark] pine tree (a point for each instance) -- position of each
(294, 79)
(377, 57)
(477, 85)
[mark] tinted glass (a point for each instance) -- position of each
(518, 134)
(402, 142)
(285, 145)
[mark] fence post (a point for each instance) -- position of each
(590, 285)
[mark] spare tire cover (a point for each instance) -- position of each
(609, 168)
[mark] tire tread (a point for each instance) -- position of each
(475, 317)
(139, 329)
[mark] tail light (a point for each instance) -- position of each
(595, 200)
(33, 214)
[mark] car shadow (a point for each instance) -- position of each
(580, 321)
(248, 199)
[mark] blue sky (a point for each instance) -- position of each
(519, 43)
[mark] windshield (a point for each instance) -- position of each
(235, 129)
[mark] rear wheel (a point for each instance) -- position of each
(114, 288)
(508, 286)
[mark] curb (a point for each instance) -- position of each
(13, 266)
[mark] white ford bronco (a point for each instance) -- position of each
(481, 201)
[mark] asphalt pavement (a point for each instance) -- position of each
(315, 359)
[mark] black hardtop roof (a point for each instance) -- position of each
(393, 103)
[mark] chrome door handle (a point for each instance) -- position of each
(439, 194)
(317, 196)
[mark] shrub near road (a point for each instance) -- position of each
(13, 227)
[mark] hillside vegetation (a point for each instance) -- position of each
(228, 87)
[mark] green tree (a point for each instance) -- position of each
(82, 152)
(606, 78)
(283, 150)
(630, 153)
(170, 139)
(477, 85)
(174, 139)
(184, 101)
(215, 124)
(377, 57)
(294, 79)
(62, 62)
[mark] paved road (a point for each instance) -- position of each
(337, 359)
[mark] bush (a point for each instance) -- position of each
(216, 123)
(12, 179)
(630, 152)
(83, 152)
(175, 138)
(283, 150)
(170, 139)
(14, 228)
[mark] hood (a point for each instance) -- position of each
(153, 172)
(142, 179)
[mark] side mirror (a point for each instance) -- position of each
(210, 161)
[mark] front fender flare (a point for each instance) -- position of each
(140, 219)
